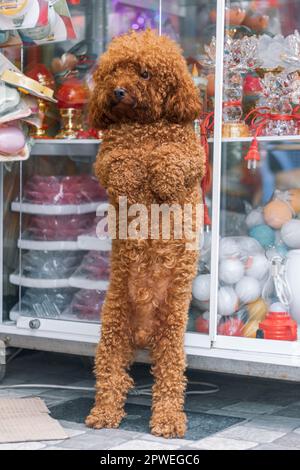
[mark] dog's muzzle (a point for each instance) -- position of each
(120, 94)
(122, 99)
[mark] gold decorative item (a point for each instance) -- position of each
(41, 74)
(72, 97)
(71, 123)
(40, 132)
(262, 71)
(235, 130)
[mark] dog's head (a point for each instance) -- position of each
(143, 78)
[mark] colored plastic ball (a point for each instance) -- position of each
(231, 271)
(277, 213)
(264, 234)
(201, 287)
(290, 233)
(228, 301)
(202, 324)
(295, 199)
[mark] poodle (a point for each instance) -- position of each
(145, 102)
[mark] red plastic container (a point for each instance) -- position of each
(279, 326)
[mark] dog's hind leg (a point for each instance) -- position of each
(113, 356)
(169, 363)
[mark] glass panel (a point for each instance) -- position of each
(259, 246)
(11, 229)
(61, 270)
(192, 23)
(38, 274)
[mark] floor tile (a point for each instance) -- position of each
(252, 434)
(93, 440)
(23, 446)
(144, 445)
(252, 407)
(272, 446)
(291, 440)
(72, 425)
(223, 443)
(277, 423)
(231, 413)
(151, 437)
(291, 411)
(55, 448)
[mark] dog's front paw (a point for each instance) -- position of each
(168, 424)
(103, 418)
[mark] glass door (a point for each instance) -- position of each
(257, 297)
(60, 269)
(192, 23)
(55, 267)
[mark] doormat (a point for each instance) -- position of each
(26, 420)
(200, 425)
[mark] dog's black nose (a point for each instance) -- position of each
(119, 93)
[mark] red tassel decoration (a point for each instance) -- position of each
(253, 155)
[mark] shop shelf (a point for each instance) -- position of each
(273, 138)
(76, 282)
(15, 314)
(60, 147)
(84, 283)
(23, 281)
(83, 243)
(42, 245)
(48, 209)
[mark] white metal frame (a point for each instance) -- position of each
(213, 346)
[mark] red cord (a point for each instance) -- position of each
(258, 121)
(207, 123)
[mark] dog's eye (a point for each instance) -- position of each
(145, 74)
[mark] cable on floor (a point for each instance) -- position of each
(139, 390)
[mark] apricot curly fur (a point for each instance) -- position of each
(151, 155)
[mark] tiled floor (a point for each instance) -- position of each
(269, 411)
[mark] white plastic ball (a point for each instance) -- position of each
(290, 233)
(257, 266)
(248, 289)
(255, 217)
(201, 287)
(249, 246)
(228, 301)
(229, 248)
(231, 271)
(277, 307)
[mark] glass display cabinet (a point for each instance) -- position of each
(54, 269)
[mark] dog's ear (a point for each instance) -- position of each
(183, 103)
(97, 105)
